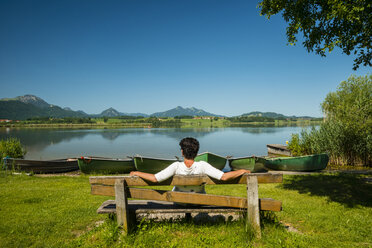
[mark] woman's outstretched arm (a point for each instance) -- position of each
(233, 174)
(146, 176)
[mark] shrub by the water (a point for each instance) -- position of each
(346, 134)
(11, 147)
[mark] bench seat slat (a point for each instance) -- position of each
(144, 206)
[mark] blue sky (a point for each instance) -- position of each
(150, 56)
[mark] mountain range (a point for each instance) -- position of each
(271, 115)
(179, 111)
(30, 106)
(111, 112)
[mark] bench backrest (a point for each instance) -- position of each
(183, 180)
(105, 185)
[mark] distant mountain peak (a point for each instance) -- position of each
(179, 111)
(34, 100)
(29, 106)
(110, 112)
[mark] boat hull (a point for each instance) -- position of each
(302, 163)
(89, 165)
(213, 159)
(152, 165)
(254, 164)
(277, 150)
(41, 166)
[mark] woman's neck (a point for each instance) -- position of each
(188, 162)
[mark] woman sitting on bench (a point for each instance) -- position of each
(189, 149)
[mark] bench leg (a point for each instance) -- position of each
(121, 204)
(253, 210)
(188, 217)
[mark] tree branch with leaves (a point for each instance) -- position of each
(346, 24)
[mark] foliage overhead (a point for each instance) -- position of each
(327, 24)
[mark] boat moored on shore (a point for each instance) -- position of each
(252, 163)
(215, 160)
(90, 165)
(152, 165)
(302, 163)
(41, 166)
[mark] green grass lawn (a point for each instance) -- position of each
(327, 210)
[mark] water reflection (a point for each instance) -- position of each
(163, 142)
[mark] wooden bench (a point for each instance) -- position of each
(162, 201)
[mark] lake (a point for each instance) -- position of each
(154, 142)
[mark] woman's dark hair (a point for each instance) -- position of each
(190, 147)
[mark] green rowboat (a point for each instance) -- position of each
(302, 163)
(152, 165)
(213, 159)
(105, 165)
(254, 164)
(41, 166)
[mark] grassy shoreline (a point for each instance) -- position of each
(325, 210)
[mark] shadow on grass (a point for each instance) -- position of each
(268, 218)
(149, 232)
(347, 189)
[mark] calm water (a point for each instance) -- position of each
(162, 142)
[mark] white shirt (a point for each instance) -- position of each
(197, 168)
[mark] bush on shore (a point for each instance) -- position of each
(11, 147)
(346, 133)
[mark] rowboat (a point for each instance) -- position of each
(213, 159)
(106, 165)
(252, 163)
(41, 166)
(278, 150)
(152, 165)
(301, 163)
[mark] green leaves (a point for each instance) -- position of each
(346, 133)
(12, 148)
(327, 24)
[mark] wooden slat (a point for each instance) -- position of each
(145, 206)
(187, 180)
(97, 189)
(253, 209)
(156, 207)
(121, 204)
(270, 204)
(193, 198)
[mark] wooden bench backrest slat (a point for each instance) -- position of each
(186, 180)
